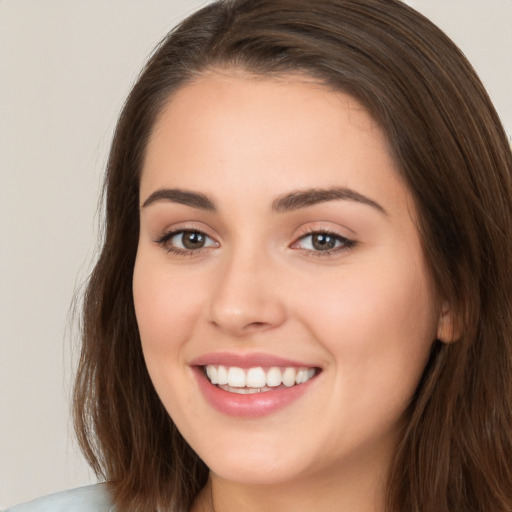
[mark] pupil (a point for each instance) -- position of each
(323, 242)
(193, 240)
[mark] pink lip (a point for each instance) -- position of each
(254, 405)
(246, 360)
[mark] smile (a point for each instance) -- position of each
(256, 379)
(253, 385)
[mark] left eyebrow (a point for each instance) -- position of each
(309, 197)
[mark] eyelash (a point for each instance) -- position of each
(345, 243)
(168, 236)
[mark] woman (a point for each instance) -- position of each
(303, 298)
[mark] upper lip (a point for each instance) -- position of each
(247, 360)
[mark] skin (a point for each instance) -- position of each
(366, 314)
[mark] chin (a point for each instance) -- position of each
(244, 472)
(256, 461)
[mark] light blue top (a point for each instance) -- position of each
(93, 498)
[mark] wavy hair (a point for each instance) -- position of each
(450, 148)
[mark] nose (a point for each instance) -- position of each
(247, 297)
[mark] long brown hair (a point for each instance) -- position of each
(455, 451)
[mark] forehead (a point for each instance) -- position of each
(280, 101)
(252, 132)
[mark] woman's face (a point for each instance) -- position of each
(278, 245)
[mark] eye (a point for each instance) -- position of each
(320, 241)
(186, 241)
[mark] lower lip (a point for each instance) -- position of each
(251, 405)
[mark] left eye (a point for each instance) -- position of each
(322, 242)
(188, 240)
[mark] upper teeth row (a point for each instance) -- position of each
(257, 377)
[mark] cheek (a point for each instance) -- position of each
(166, 309)
(374, 311)
(387, 295)
(378, 323)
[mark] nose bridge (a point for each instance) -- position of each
(246, 296)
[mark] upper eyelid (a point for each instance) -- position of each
(171, 233)
(311, 230)
(325, 225)
(325, 232)
(180, 227)
(301, 233)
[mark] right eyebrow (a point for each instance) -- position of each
(176, 195)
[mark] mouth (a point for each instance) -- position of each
(245, 381)
(253, 385)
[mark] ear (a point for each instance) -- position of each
(448, 330)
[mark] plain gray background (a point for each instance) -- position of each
(65, 69)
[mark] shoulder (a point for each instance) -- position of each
(93, 498)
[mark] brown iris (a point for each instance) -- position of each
(323, 241)
(193, 240)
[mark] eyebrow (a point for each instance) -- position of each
(175, 195)
(289, 202)
(304, 198)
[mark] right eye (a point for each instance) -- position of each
(186, 241)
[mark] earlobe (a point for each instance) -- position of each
(447, 327)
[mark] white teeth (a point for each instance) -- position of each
(243, 391)
(289, 377)
(274, 377)
(222, 375)
(302, 376)
(211, 371)
(236, 377)
(254, 380)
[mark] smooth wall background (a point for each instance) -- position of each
(65, 70)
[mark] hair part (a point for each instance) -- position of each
(452, 153)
